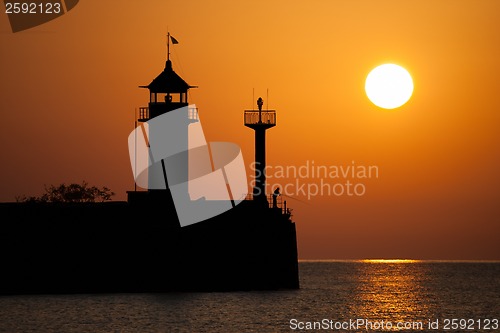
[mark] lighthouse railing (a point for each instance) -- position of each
(253, 117)
(143, 113)
(192, 113)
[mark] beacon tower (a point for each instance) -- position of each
(260, 121)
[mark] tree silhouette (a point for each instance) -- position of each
(71, 193)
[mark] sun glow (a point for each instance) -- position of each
(390, 261)
(389, 86)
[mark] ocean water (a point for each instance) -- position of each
(335, 296)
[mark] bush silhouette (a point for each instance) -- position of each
(71, 193)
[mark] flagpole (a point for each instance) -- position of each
(168, 46)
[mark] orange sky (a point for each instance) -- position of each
(69, 89)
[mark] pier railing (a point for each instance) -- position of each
(280, 203)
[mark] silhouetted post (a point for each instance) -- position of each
(276, 194)
(260, 121)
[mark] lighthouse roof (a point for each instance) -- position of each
(168, 81)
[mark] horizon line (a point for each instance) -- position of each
(403, 260)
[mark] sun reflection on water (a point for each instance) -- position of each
(391, 290)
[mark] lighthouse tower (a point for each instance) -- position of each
(260, 121)
(168, 94)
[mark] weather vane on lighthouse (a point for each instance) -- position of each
(174, 41)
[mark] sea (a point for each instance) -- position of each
(334, 296)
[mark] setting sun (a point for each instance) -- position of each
(389, 86)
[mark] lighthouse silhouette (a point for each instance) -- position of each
(172, 160)
(167, 92)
